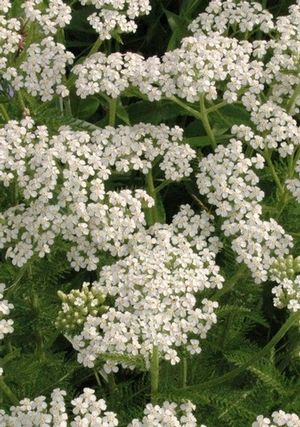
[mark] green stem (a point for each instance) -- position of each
(8, 392)
(4, 112)
(205, 122)
(162, 185)
(95, 47)
(21, 101)
(292, 319)
(273, 171)
(216, 107)
(112, 112)
(153, 213)
(154, 372)
(68, 106)
(186, 107)
(111, 383)
(184, 371)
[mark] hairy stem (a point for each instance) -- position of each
(153, 212)
(273, 171)
(112, 112)
(154, 373)
(186, 107)
(205, 122)
(184, 371)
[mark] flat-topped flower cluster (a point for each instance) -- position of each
(229, 183)
(88, 411)
(149, 303)
(154, 290)
(279, 419)
(62, 179)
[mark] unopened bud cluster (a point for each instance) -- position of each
(77, 306)
(285, 268)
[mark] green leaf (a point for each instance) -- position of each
(87, 107)
(153, 112)
(178, 25)
(198, 141)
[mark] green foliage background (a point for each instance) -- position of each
(36, 358)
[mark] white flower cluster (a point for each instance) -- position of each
(242, 15)
(167, 415)
(6, 325)
(56, 15)
(87, 411)
(92, 412)
(62, 181)
(282, 69)
(5, 5)
(274, 129)
(294, 184)
(229, 183)
(43, 70)
(116, 15)
(71, 203)
(206, 64)
(279, 419)
(198, 230)
(114, 73)
(287, 294)
(10, 36)
(154, 290)
(136, 148)
(202, 65)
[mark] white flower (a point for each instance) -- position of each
(229, 183)
(154, 290)
(43, 70)
(219, 16)
(294, 184)
(167, 415)
(56, 15)
(114, 73)
(279, 419)
(116, 15)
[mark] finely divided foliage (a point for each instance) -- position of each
(149, 222)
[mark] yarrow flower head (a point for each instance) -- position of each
(60, 203)
(137, 147)
(87, 411)
(293, 185)
(285, 271)
(6, 325)
(154, 290)
(56, 15)
(274, 129)
(279, 419)
(244, 16)
(167, 415)
(229, 183)
(116, 15)
(77, 306)
(10, 36)
(203, 65)
(115, 73)
(72, 202)
(43, 70)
